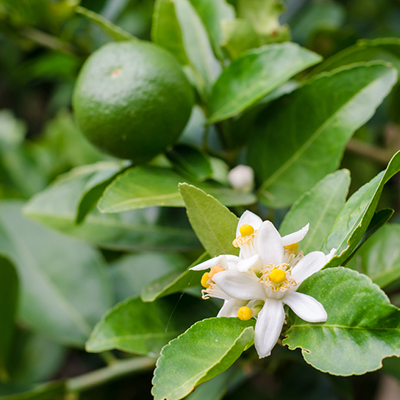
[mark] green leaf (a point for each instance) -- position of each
(142, 187)
(166, 31)
(48, 391)
(316, 121)
(319, 207)
(57, 208)
(385, 49)
(173, 282)
(216, 388)
(9, 286)
(362, 326)
(205, 350)
(255, 74)
(379, 257)
(238, 36)
(144, 328)
(190, 162)
(357, 213)
(212, 14)
(114, 31)
(35, 358)
(64, 290)
(214, 224)
(178, 28)
(131, 273)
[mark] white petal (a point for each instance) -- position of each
(306, 307)
(248, 218)
(268, 326)
(308, 265)
(269, 244)
(240, 285)
(295, 237)
(212, 262)
(231, 308)
(245, 265)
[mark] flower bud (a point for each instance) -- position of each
(242, 178)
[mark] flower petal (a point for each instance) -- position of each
(231, 308)
(295, 237)
(240, 285)
(269, 244)
(248, 218)
(268, 326)
(212, 262)
(245, 265)
(306, 307)
(308, 265)
(330, 255)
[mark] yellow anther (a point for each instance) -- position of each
(245, 313)
(215, 270)
(204, 280)
(292, 247)
(277, 276)
(246, 230)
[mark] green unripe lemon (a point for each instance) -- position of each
(132, 99)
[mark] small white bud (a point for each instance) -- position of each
(242, 178)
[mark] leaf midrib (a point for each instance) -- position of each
(313, 137)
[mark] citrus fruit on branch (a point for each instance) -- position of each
(132, 99)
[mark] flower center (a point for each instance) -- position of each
(278, 277)
(247, 234)
(245, 313)
(246, 230)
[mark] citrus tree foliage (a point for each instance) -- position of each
(204, 159)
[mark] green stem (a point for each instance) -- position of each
(368, 150)
(108, 357)
(117, 370)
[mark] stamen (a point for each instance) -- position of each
(215, 270)
(292, 248)
(278, 277)
(245, 313)
(246, 230)
(204, 280)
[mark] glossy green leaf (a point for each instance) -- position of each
(357, 213)
(178, 27)
(215, 388)
(214, 224)
(144, 328)
(190, 162)
(166, 31)
(64, 290)
(205, 350)
(114, 31)
(173, 282)
(142, 187)
(212, 13)
(362, 326)
(386, 49)
(318, 207)
(255, 74)
(196, 41)
(379, 257)
(48, 391)
(238, 36)
(9, 285)
(316, 121)
(57, 208)
(131, 273)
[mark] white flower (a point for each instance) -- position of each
(275, 284)
(242, 178)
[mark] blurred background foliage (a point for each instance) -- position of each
(44, 43)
